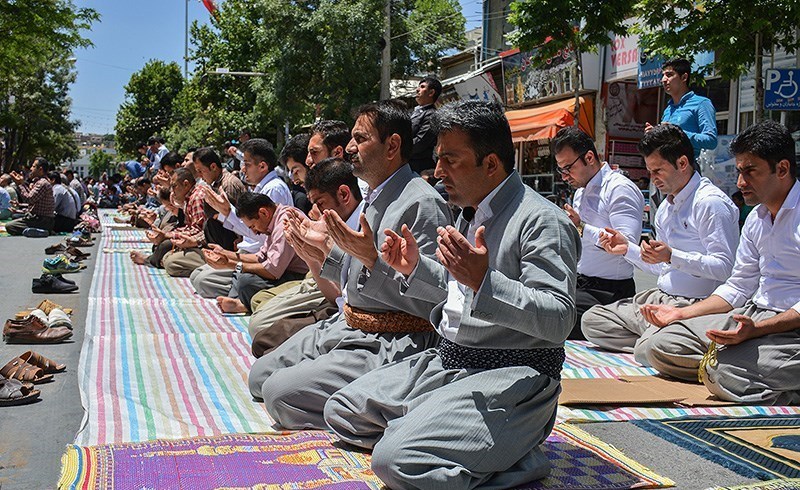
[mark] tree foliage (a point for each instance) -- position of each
(38, 39)
(318, 57)
(148, 105)
(100, 162)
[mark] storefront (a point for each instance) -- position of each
(541, 101)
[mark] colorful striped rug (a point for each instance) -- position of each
(313, 459)
(158, 361)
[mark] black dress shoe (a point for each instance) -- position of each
(48, 284)
(63, 279)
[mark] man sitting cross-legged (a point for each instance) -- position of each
(188, 239)
(330, 185)
(379, 325)
(164, 220)
(274, 264)
(754, 315)
(474, 411)
(697, 229)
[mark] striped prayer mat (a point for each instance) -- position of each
(158, 361)
(585, 361)
(313, 459)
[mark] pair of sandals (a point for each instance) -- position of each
(46, 306)
(20, 374)
(55, 318)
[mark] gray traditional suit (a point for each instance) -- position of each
(434, 427)
(296, 379)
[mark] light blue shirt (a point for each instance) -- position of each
(5, 199)
(696, 116)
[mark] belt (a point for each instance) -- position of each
(547, 361)
(387, 322)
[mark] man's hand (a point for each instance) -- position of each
(359, 244)
(312, 256)
(219, 202)
(572, 215)
(183, 242)
(400, 252)
(648, 127)
(656, 252)
(313, 233)
(745, 330)
(467, 263)
(155, 235)
(614, 242)
(17, 178)
(661, 315)
(231, 151)
(215, 260)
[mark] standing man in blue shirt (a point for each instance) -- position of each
(693, 113)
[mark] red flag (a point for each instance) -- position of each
(212, 8)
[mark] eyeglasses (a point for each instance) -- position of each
(567, 168)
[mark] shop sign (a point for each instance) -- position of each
(525, 83)
(782, 90)
(479, 87)
(628, 110)
(649, 70)
(622, 58)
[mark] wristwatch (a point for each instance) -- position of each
(580, 227)
(238, 268)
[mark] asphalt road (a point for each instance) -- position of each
(33, 437)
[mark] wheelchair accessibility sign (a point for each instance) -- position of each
(782, 90)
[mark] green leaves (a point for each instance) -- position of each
(100, 162)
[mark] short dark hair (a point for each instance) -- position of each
(334, 133)
(296, 149)
(164, 193)
(143, 181)
(261, 149)
(670, 142)
(390, 117)
(768, 140)
(140, 144)
(250, 202)
(54, 176)
(574, 138)
(43, 163)
(682, 66)
(161, 140)
(486, 125)
(151, 141)
(171, 159)
(246, 131)
(435, 84)
(183, 173)
(206, 156)
(329, 174)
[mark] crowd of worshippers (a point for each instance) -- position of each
(405, 322)
(42, 198)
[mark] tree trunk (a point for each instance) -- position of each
(759, 79)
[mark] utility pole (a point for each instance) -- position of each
(186, 43)
(386, 55)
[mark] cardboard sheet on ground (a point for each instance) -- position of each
(636, 390)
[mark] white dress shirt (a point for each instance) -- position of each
(701, 225)
(277, 190)
(767, 265)
(456, 292)
(609, 200)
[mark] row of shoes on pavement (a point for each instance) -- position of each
(66, 261)
(18, 377)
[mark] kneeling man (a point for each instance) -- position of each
(475, 410)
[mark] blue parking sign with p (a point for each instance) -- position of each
(782, 90)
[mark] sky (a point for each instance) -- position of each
(129, 34)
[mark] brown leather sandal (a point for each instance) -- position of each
(48, 366)
(15, 392)
(22, 371)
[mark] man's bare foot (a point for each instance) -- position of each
(138, 258)
(230, 305)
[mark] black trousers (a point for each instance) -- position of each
(593, 291)
(216, 233)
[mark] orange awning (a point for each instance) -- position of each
(543, 122)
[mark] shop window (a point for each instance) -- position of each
(745, 120)
(718, 90)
